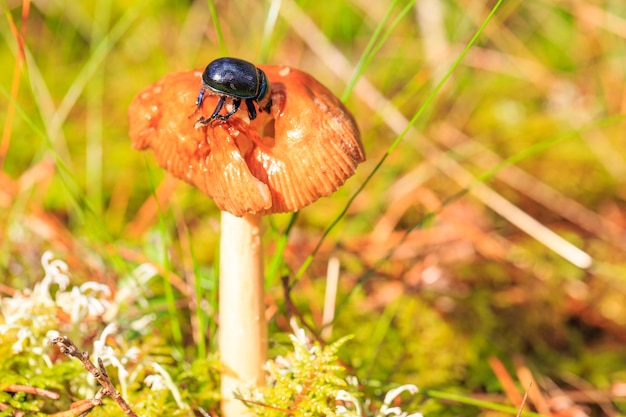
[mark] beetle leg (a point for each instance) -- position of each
(251, 109)
(203, 121)
(199, 102)
(219, 106)
(268, 106)
(236, 104)
(200, 98)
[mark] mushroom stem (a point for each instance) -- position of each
(242, 326)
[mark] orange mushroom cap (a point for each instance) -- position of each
(304, 149)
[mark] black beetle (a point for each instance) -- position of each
(236, 79)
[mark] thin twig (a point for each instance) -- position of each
(521, 407)
(67, 347)
(30, 390)
(80, 408)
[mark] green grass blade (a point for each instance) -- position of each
(398, 139)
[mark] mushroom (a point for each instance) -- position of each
(303, 148)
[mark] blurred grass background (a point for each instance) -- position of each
(450, 257)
